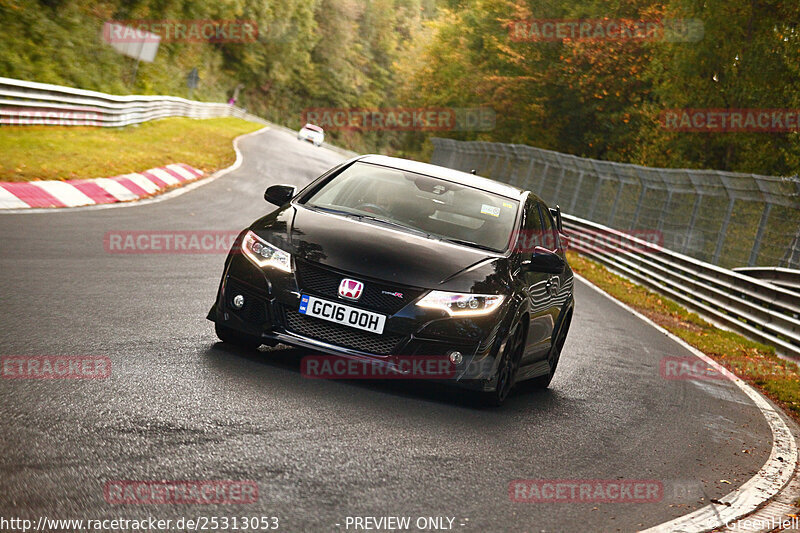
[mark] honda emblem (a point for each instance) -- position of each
(350, 289)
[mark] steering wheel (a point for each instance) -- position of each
(373, 208)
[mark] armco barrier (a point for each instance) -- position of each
(32, 103)
(755, 308)
(783, 277)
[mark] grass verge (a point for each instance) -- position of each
(73, 152)
(754, 362)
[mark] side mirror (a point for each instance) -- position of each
(279, 194)
(544, 260)
(556, 212)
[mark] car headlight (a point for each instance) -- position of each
(265, 254)
(460, 304)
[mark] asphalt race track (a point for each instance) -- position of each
(181, 406)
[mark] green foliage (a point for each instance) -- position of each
(598, 98)
(317, 53)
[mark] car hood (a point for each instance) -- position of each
(376, 251)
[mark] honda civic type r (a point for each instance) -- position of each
(382, 258)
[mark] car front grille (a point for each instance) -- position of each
(339, 335)
(255, 305)
(324, 282)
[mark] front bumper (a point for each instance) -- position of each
(270, 312)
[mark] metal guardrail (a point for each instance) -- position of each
(783, 277)
(755, 308)
(32, 103)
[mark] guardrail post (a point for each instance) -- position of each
(478, 158)
(762, 226)
(692, 220)
(614, 206)
(662, 216)
(544, 178)
(502, 174)
(527, 178)
(468, 161)
(595, 197)
(598, 187)
(577, 192)
(513, 177)
(792, 252)
(454, 153)
(483, 158)
(558, 185)
(494, 158)
(722, 232)
(636, 213)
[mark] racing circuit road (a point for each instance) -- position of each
(181, 406)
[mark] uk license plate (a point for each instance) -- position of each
(342, 314)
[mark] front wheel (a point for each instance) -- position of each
(226, 334)
(507, 369)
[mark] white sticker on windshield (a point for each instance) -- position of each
(490, 210)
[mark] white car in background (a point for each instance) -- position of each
(311, 133)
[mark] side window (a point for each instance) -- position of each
(531, 235)
(550, 235)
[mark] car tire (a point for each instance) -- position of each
(226, 334)
(542, 382)
(507, 369)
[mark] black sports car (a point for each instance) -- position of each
(381, 258)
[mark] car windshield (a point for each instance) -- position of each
(439, 208)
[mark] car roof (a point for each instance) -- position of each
(447, 174)
(313, 127)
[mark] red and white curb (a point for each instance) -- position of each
(74, 193)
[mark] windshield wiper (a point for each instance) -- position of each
(393, 223)
(332, 210)
(470, 243)
(364, 216)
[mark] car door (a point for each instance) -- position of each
(535, 286)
